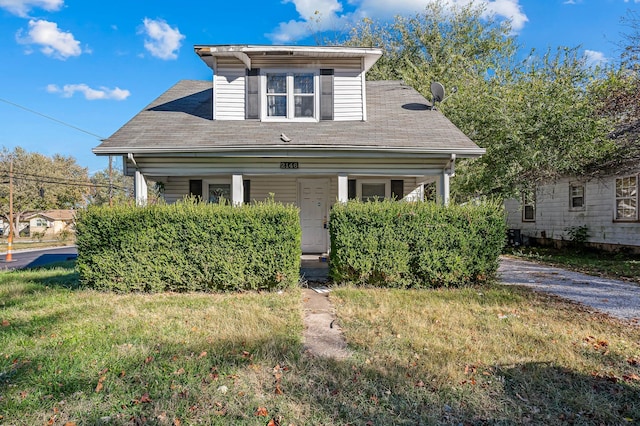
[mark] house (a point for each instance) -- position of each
(50, 222)
(298, 122)
(607, 205)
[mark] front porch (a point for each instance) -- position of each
(313, 194)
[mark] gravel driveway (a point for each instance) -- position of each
(616, 298)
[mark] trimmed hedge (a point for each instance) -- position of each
(189, 246)
(418, 245)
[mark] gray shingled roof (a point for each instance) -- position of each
(399, 118)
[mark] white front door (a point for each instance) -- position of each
(314, 211)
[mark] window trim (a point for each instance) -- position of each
(386, 182)
(573, 185)
(206, 183)
(290, 95)
(616, 198)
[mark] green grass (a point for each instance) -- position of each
(490, 355)
(613, 265)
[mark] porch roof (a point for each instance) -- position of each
(400, 120)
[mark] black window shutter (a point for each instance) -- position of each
(351, 191)
(397, 189)
(326, 94)
(195, 188)
(246, 186)
(253, 93)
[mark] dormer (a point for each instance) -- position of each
(288, 83)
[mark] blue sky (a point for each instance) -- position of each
(94, 65)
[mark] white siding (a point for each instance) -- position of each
(553, 214)
(229, 91)
(229, 85)
(284, 188)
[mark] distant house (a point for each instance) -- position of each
(298, 122)
(50, 222)
(607, 205)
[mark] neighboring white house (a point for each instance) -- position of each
(298, 122)
(608, 206)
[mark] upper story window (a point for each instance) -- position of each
(291, 95)
(626, 198)
(305, 95)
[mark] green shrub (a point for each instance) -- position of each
(396, 244)
(189, 246)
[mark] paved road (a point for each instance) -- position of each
(38, 257)
(616, 298)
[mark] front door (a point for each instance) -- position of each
(312, 200)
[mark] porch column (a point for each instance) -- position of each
(442, 189)
(140, 189)
(343, 188)
(237, 190)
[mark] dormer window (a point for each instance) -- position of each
(290, 95)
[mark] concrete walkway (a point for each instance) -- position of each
(322, 334)
(619, 299)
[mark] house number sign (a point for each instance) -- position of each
(288, 165)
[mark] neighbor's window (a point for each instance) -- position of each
(41, 222)
(528, 206)
(576, 196)
(291, 95)
(627, 198)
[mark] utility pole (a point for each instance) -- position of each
(9, 257)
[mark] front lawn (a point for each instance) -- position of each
(491, 355)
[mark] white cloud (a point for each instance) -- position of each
(22, 7)
(322, 15)
(53, 41)
(68, 90)
(595, 58)
(162, 41)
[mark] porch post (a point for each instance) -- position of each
(343, 188)
(237, 190)
(442, 190)
(140, 189)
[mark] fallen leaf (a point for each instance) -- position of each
(51, 421)
(278, 390)
(70, 424)
(148, 359)
(99, 387)
(23, 394)
(261, 411)
(176, 422)
(145, 399)
(5, 323)
(202, 354)
(179, 371)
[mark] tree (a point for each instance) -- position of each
(41, 182)
(121, 188)
(537, 118)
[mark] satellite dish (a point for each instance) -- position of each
(437, 91)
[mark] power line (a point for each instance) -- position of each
(68, 182)
(51, 118)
